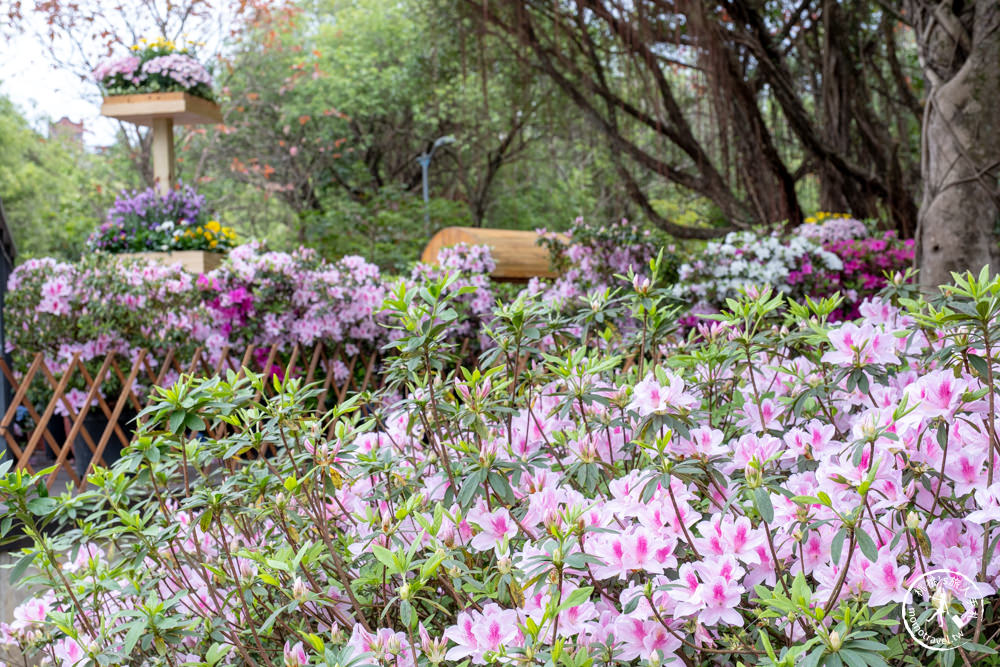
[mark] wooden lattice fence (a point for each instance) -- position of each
(39, 436)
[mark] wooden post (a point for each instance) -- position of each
(163, 154)
(161, 111)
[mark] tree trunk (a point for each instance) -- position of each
(959, 45)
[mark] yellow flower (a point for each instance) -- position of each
(213, 226)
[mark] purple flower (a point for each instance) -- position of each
(183, 69)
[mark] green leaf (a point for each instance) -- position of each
(837, 545)
(980, 366)
(194, 423)
(385, 557)
(176, 421)
(216, 652)
(867, 545)
(978, 648)
(17, 571)
(812, 660)
(132, 638)
(762, 499)
(851, 658)
(575, 599)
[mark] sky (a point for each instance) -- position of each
(42, 91)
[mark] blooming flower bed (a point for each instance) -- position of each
(157, 66)
(146, 221)
(257, 297)
(767, 494)
(831, 253)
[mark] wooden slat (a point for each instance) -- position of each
(66, 404)
(328, 363)
(113, 422)
(291, 362)
(95, 386)
(41, 425)
(311, 373)
(315, 365)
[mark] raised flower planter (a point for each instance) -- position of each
(159, 85)
(144, 108)
(194, 261)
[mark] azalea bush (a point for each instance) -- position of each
(263, 297)
(588, 258)
(727, 266)
(157, 66)
(98, 304)
(147, 221)
(257, 297)
(830, 253)
(866, 263)
(86, 309)
(763, 494)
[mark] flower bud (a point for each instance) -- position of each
(299, 590)
(640, 284)
(835, 641)
(404, 592)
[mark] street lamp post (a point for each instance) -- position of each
(424, 159)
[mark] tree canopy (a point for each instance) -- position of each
(696, 118)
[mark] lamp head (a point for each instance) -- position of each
(441, 141)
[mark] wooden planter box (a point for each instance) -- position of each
(142, 109)
(517, 254)
(195, 261)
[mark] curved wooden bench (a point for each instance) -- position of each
(516, 253)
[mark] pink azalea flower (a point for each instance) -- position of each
(886, 579)
(642, 638)
(495, 527)
(476, 633)
(624, 553)
(724, 536)
(988, 502)
(384, 645)
(760, 417)
(69, 653)
(860, 345)
(720, 597)
(649, 396)
(295, 656)
(32, 612)
(936, 394)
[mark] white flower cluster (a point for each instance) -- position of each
(744, 259)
